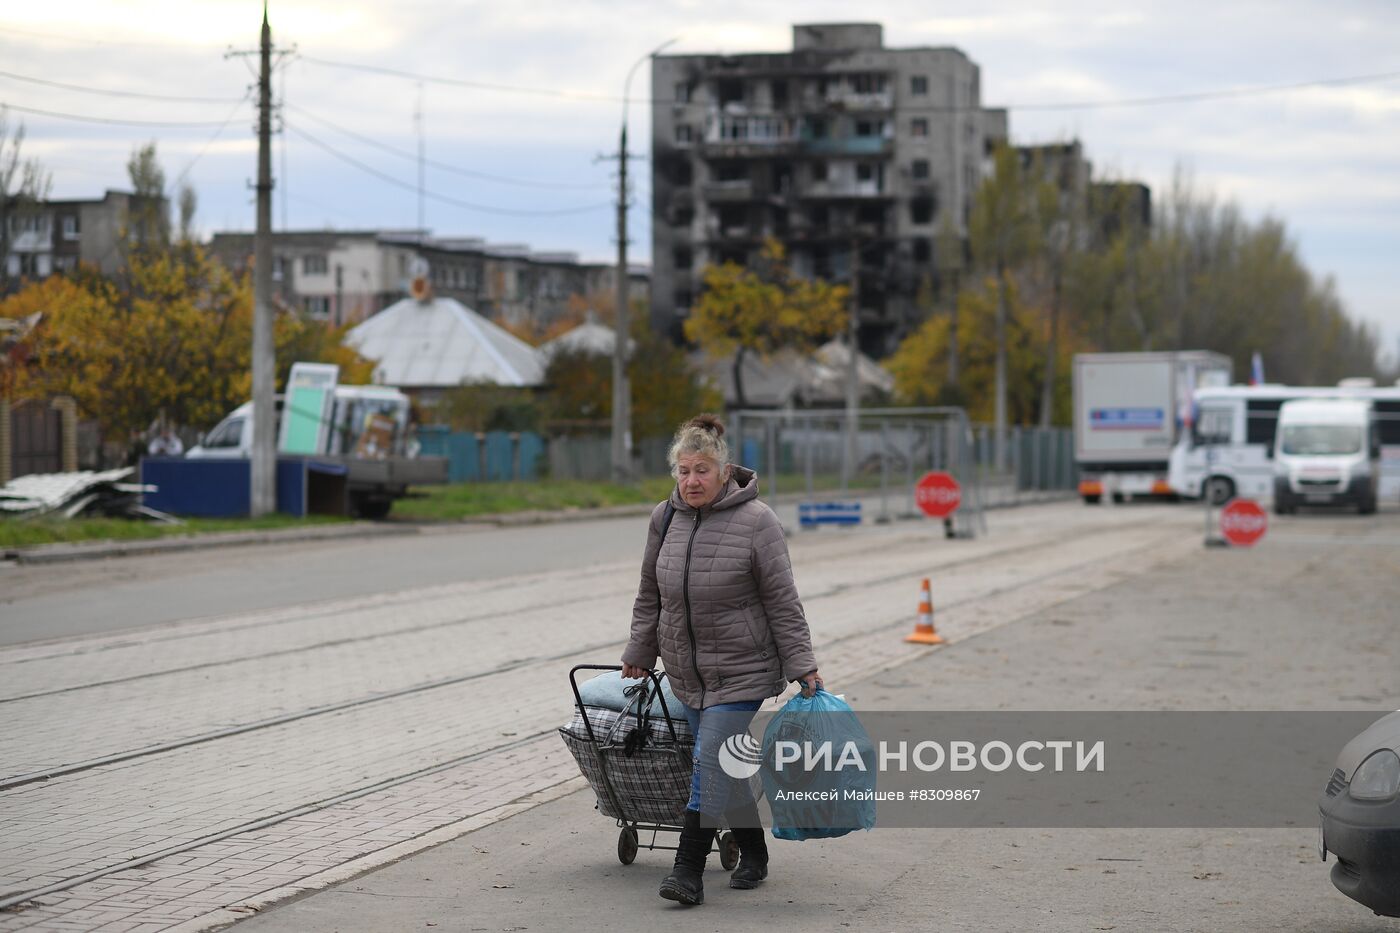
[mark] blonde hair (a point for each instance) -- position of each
(703, 435)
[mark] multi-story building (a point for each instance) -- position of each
(840, 145)
(343, 276)
(1105, 207)
(347, 276)
(54, 236)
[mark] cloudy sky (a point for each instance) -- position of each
(537, 94)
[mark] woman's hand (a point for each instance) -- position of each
(810, 683)
(632, 671)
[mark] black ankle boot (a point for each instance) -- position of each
(753, 847)
(684, 883)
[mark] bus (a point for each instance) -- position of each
(1229, 450)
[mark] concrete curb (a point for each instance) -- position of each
(100, 550)
(97, 550)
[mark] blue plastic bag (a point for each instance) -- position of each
(819, 769)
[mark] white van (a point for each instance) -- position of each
(1327, 452)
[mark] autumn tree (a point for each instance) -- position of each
(1004, 233)
(147, 220)
(666, 388)
(920, 363)
(763, 309)
(171, 337)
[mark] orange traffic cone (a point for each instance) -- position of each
(924, 633)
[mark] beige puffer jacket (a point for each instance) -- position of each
(717, 600)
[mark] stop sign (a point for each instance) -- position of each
(1242, 522)
(937, 494)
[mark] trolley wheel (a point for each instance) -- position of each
(728, 851)
(627, 845)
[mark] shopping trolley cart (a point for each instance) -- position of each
(638, 765)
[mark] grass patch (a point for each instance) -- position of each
(27, 532)
(467, 500)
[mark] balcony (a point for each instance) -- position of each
(721, 192)
(851, 146)
(845, 188)
(751, 134)
(854, 100)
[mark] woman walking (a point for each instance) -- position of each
(718, 605)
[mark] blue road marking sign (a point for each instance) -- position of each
(1127, 419)
(813, 514)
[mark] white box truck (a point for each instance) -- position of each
(1129, 410)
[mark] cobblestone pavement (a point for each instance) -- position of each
(183, 775)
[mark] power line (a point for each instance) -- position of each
(217, 133)
(107, 42)
(462, 82)
(487, 209)
(469, 173)
(1187, 97)
(111, 93)
(1197, 96)
(112, 121)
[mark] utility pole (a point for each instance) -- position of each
(622, 390)
(263, 499)
(848, 462)
(621, 448)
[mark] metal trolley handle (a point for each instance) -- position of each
(578, 698)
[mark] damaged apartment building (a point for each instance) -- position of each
(837, 147)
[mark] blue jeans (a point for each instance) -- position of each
(711, 790)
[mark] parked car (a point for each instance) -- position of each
(1361, 818)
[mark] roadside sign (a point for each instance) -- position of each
(814, 514)
(1243, 522)
(938, 494)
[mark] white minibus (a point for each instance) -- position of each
(1229, 450)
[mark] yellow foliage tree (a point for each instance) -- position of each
(920, 364)
(171, 338)
(762, 309)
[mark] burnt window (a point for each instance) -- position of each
(870, 214)
(684, 134)
(730, 91)
(683, 215)
(867, 128)
(816, 127)
(780, 95)
(1261, 422)
(818, 171)
(867, 83)
(921, 210)
(681, 259)
(918, 127)
(923, 249)
(682, 92)
(731, 171)
(782, 177)
(918, 85)
(681, 174)
(865, 171)
(733, 217)
(918, 169)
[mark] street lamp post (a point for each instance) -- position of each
(622, 393)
